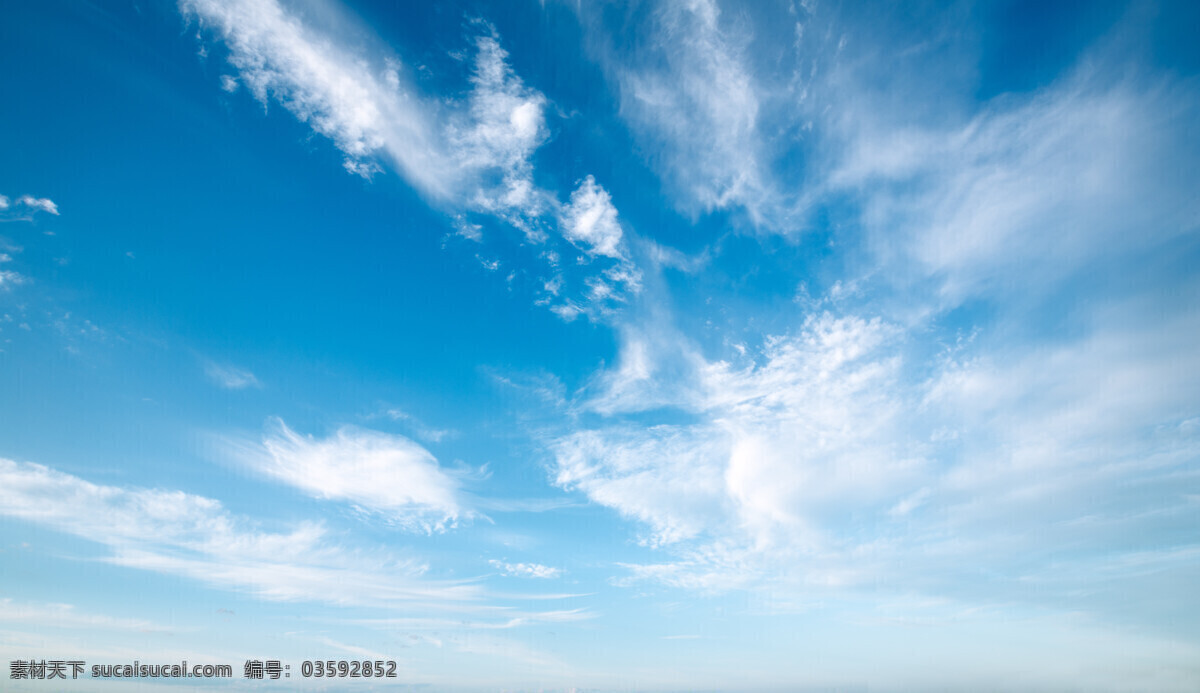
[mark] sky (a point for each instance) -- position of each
(590, 346)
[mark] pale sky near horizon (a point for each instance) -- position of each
(647, 346)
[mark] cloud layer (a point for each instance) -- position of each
(177, 533)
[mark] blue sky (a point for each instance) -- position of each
(604, 346)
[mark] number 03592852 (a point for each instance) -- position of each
(348, 668)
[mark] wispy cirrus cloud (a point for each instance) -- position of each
(70, 617)
(419, 428)
(494, 138)
(383, 474)
(770, 448)
(24, 207)
(949, 442)
(229, 376)
(43, 204)
(364, 101)
(726, 125)
(192, 536)
(1004, 459)
(509, 619)
(696, 106)
(8, 279)
(876, 405)
(526, 570)
(367, 110)
(1042, 186)
(955, 391)
(478, 164)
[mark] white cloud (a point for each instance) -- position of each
(38, 203)
(851, 451)
(23, 208)
(1081, 173)
(514, 619)
(657, 366)
(699, 106)
(1077, 421)
(366, 110)
(1023, 460)
(229, 376)
(467, 230)
(9, 279)
(590, 219)
(177, 533)
(472, 154)
(505, 126)
(385, 474)
(670, 479)
(493, 141)
(665, 256)
(775, 447)
(368, 107)
(526, 570)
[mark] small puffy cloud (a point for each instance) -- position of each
(526, 570)
(590, 220)
(25, 206)
(9, 279)
(389, 475)
(43, 204)
(507, 121)
(467, 230)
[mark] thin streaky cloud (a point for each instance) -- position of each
(230, 377)
(69, 616)
(192, 536)
(472, 154)
(367, 110)
(526, 570)
(42, 204)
